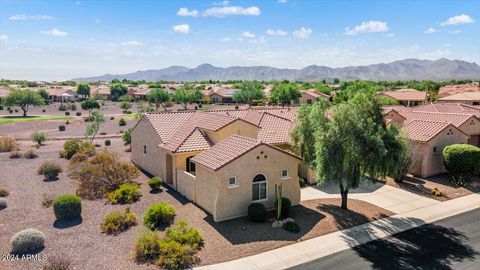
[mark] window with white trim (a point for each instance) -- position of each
(285, 174)
(259, 188)
(232, 181)
(145, 150)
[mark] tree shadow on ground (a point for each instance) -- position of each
(345, 218)
(242, 230)
(365, 187)
(426, 247)
(67, 223)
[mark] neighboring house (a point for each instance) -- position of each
(449, 90)
(219, 95)
(62, 93)
(101, 90)
(138, 93)
(310, 96)
(407, 97)
(204, 156)
(470, 98)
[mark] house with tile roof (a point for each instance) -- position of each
(310, 96)
(215, 95)
(449, 90)
(62, 93)
(471, 98)
(407, 97)
(220, 160)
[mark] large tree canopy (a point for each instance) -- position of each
(248, 92)
(186, 94)
(284, 93)
(347, 143)
(89, 105)
(83, 89)
(158, 97)
(24, 99)
(117, 90)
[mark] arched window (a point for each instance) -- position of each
(259, 188)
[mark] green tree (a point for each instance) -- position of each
(125, 102)
(117, 90)
(43, 93)
(127, 136)
(97, 119)
(83, 89)
(24, 99)
(284, 94)
(349, 147)
(158, 97)
(248, 92)
(89, 105)
(38, 137)
(186, 95)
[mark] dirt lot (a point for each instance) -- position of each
(87, 248)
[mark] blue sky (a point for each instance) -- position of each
(57, 40)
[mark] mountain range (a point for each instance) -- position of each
(408, 69)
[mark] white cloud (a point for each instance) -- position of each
(181, 28)
(23, 17)
(184, 12)
(367, 27)
(225, 39)
(302, 32)
(459, 19)
(430, 30)
(248, 34)
(54, 32)
(132, 43)
(282, 1)
(222, 3)
(231, 10)
(277, 32)
(3, 37)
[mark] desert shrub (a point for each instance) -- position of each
(58, 263)
(291, 227)
(112, 118)
(61, 128)
(67, 122)
(38, 137)
(15, 154)
(185, 235)
(257, 212)
(102, 174)
(78, 113)
(118, 221)
(30, 154)
(436, 192)
(67, 113)
(107, 142)
(147, 247)
(7, 144)
(122, 122)
(62, 107)
(67, 206)
(3, 192)
(463, 159)
(3, 203)
(73, 107)
(50, 170)
(29, 241)
(174, 255)
(155, 183)
(126, 193)
(71, 147)
(158, 215)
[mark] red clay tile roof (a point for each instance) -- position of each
(315, 94)
(406, 95)
(167, 123)
(457, 119)
(275, 129)
(424, 131)
(229, 150)
(465, 96)
(196, 141)
(449, 108)
(449, 90)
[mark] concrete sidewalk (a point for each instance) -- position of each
(318, 247)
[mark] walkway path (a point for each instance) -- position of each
(318, 247)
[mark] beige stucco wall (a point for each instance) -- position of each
(238, 127)
(303, 99)
(471, 126)
(186, 184)
(180, 162)
(225, 203)
(395, 117)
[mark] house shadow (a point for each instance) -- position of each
(67, 223)
(242, 230)
(175, 194)
(429, 246)
(365, 187)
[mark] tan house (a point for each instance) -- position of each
(310, 96)
(61, 93)
(101, 90)
(204, 156)
(219, 95)
(407, 97)
(470, 98)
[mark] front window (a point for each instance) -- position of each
(285, 174)
(232, 181)
(190, 165)
(259, 188)
(309, 101)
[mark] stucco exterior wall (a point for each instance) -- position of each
(471, 126)
(395, 117)
(233, 202)
(303, 99)
(236, 127)
(207, 189)
(186, 184)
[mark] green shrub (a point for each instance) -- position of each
(175, 255)
(107, 142)
(257, 212)
(155, 183)
(61, 128)
(158, 215)
(3, 203)
(7, 144)
(126, 193)
(3, 192)
(291, 227)
(29, 241)
(185, 235)
(67, 206)
(62, 107)
(50, 170)
(147, 247)
(71, 147)
(30, 154)
(38, 137)
(67, 113)
(122, 122)
(462, 159)
(78, 113)
(118, 221)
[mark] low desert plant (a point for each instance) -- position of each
(107, 142)
(62, 107)
(47, 200)
(185, 235)
(61, 128)
(174, 255)
(7, 144)
(122, 122)
(291, 227)
(147, 247)
(257, 212)
(50, 170)
(71, 147)
(158, 215)
(15, 154)
(126, 193)
(155, 183)
(58, 263)
(67, 113)
(29, 241)
(38, 137)
(78, 113)
(3, 203)
(118, 221)
(3, 192)
(67, 206)
(30, 154)
(436, 192)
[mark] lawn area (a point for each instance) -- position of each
(18, 119)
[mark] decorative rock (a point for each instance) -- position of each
(277, 224)
(288, 220)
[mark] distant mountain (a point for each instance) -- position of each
(408, 69)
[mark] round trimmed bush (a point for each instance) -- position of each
(67, 206)
(107, 142)
(3, 203)
(126, 193)
(122, 122)
(462, 159)
(61, 128)
(155, 183)
(257, 212)
(292, 227)
(67, 113)
(158, 215)
(50, 170)
(29, 241)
